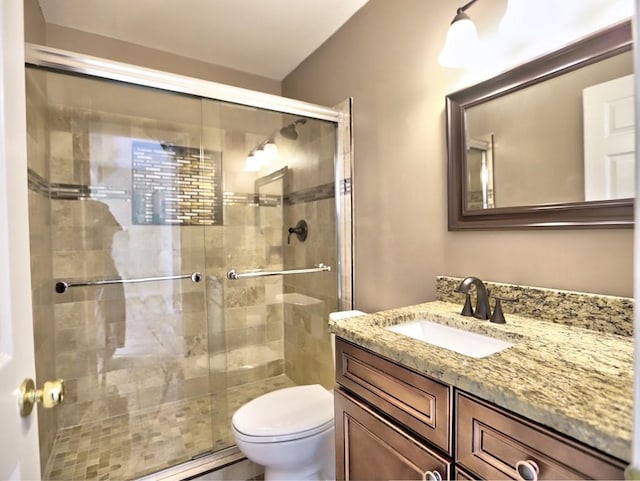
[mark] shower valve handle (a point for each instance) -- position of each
(301, 230)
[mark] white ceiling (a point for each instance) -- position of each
(264, 37)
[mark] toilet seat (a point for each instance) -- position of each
(284, 415)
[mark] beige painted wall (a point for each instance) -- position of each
(34, 25)
(386, 58)
(96, 45)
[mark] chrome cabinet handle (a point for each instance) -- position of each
(527, 470)
(431, 476)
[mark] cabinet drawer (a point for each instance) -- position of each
(421, 404)
(490, 441)
(368, 447)
(462, 475)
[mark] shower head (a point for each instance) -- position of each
(289, 131)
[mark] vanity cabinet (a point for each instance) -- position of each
(373, 448)
(394, 423)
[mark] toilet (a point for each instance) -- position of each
(290, 431)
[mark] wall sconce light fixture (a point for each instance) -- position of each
(461, 44)
(261, 156)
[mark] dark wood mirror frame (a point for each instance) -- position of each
(595, 214)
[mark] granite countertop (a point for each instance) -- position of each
(571, 379)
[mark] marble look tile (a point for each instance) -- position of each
(243, 296)
(61, 144)
(61, 170)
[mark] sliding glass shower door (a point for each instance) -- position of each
(116, 173)
(141, 201)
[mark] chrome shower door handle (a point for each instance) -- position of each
(235, 275)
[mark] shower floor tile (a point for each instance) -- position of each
(140, 443)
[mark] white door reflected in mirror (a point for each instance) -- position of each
(609, 140)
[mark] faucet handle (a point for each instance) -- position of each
(498, 315)
(467, 309)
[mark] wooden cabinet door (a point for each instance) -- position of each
(369, 447)
(493, 442)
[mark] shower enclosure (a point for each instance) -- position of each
(145, 191)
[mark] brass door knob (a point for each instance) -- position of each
(51, 394)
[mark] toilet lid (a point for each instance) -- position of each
(296, 410)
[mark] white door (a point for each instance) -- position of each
(609, 140)
(19, 457)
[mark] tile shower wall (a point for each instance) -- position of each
(40, 245)
(309, 195)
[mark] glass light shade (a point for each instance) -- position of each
(252, 164)
(271, 151)
(261, 157)
(461, 44)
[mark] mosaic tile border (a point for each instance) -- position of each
(320, 192)
(175, 185)
(60, 191)
(257, 200)
(608, 314)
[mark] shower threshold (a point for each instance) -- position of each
(197, 467)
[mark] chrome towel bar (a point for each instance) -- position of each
(233, 275)
(61, 287)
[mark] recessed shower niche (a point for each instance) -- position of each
(175, 185)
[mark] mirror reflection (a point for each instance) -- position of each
(567, 139)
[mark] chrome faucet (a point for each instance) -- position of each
(482, 310)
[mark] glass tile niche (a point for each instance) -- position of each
(175, 185)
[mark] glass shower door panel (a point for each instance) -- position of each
(278, 169)
(126, 178)
(310, 195)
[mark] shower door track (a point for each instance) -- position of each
(63, 60)
(198, 466)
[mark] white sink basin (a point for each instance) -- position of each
(463, 342)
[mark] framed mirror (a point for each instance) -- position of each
(548, 144)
